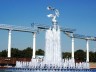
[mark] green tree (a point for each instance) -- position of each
(39, 52)
(66, 55)
(15, 52)
(4, 53)
(92, 56)
(27, 53)
(80, 55)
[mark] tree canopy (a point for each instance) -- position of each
(80, 55)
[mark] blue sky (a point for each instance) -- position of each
(76, 14)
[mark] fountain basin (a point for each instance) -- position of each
(49, 70)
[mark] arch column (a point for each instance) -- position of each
(9, 44)
(87, 53)
(72, 47)
(34, 45)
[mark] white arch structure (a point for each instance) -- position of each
(87, 38)
(68, 32)
(11, 28)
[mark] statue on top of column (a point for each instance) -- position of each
(53, 16)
